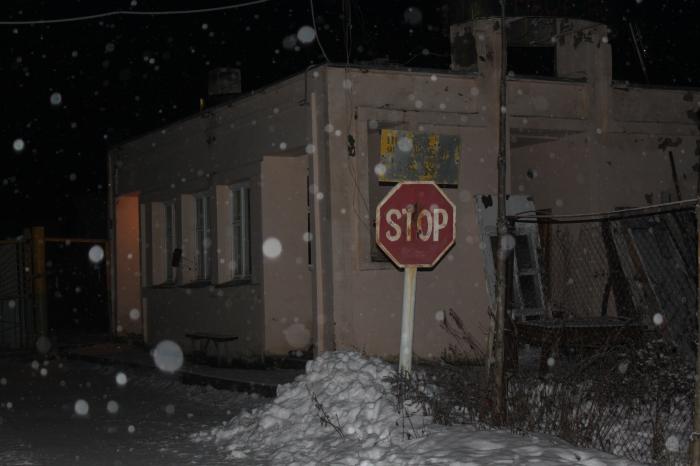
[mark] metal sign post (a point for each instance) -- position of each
(407, 313)
(415, 228)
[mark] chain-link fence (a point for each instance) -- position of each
(607, 361)
(600, 342)
(16, 316)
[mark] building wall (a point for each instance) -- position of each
(574, 147)
(625, 163)
(218, 147)
(287, 275)
(602, 163)
(367, 295)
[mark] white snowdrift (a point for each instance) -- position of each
(357, 400)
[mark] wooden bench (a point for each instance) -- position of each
(220, 341)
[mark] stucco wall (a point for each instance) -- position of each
(220, 146)
(367, 295)
(287, 276)
(625, 164)
(574, 146)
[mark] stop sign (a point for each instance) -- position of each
(415, 224)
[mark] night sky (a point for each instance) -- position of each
(73, 90)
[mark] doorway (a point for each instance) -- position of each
(128, 314)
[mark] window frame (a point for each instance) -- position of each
(170, 240)
(241, 247)
(163, 241)
(361, 167)
(202, 259)
(376, 189)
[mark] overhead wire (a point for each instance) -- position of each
(365, 218)
(318, 38)
(132, 13)
(532, 216)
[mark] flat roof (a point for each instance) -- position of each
(279, 83)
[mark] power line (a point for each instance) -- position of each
(318, 39)
(132, 13)
(668, 207)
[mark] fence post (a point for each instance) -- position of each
(39, 281)
(695, 436)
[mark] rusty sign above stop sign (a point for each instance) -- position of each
(415, 224)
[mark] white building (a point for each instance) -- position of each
(271, 196)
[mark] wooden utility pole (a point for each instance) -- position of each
(499, 385)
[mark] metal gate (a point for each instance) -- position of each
(16, 307)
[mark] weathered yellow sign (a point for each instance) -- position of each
(409, 156)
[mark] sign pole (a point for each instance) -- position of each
(409, 301)
(415, 228)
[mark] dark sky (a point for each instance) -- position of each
(123, 75)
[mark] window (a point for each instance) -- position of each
(233, 233)
(202, 237)
(170, 241)
(163, 242)
(240, 214)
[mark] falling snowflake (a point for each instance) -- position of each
(306, 34)
(380, 169)
(56, 99)
(81, 407)
(121, 379)
(96, 254)
(168, 356)
(18, 145)
(272, 248)
(112, 407)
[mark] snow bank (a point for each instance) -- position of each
(343, 387)
(362, 427)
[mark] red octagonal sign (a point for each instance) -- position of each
(415, 224)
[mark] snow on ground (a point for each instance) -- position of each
(363, 427)
(56, 413)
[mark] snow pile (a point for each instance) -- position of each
(342, 412)
(345, 389)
